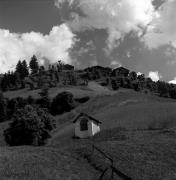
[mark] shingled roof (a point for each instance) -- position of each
(86, 115)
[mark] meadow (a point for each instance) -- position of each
(138, 132)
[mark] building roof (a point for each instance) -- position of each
(86, 115)
(121, 68)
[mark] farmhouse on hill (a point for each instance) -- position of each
(120, 71)
(86, 126)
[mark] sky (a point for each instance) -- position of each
(137, 34)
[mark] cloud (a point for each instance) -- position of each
(162, 29)
(117, 17)
(155, 76)
(116, 64)
(139, 73)
(173, 81)
(54, 46)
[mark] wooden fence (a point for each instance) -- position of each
(113, 169)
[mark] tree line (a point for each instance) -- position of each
(15, 79)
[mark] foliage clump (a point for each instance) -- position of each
(63, 102)
(29, 126)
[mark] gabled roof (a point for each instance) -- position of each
(121, 68)
(86, 115)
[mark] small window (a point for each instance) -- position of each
(84, 124)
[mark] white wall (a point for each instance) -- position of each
(92, 130)
(95, 128)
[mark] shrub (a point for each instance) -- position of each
(63, 102)
(29, 126)
(2, 108)
(172, 93)
(114, 85)
(14, 104)
(83, 99)
(44, 101)
(30, 100)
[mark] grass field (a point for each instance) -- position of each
(138, 131)
(92, 89)
(129, 110)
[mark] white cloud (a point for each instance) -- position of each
(139, 73)
(155, 76)
(118, 17)
(162, 30)
(53, 46)
(116, 64)
(173, 81)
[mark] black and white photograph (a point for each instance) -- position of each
(87, 89)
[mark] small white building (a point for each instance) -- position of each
(86, 126)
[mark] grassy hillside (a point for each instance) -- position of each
(29, 163)
(92, 89)
(138, 132)
(129, 110)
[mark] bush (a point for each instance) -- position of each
(30, 100)
(14, 104)
(44, 101)
(3, 108)
(114, 85)
(83, 99)
(172, 93)
(29, 127)
(63, 102)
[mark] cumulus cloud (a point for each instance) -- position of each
(173, 81)
(155, 76)
(162, 29)
(54, 46)
(118, 17)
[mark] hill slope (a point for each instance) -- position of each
(137, 132)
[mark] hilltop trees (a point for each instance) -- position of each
(114, 85)
(22, 69)
(34, 65)
(25, 68)
(29, 126)
(15, 80)
(132, 76)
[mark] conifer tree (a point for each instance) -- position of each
(25, 68)
(34, 65)
(19, 69)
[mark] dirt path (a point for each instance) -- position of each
(66, 131)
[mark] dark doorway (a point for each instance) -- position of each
(84, 124)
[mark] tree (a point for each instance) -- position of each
(29, 126)
(19, 69)
(141, 77)
(114, 85)
(44, 101)
(172, 93)
(34, 65)
(132, 76)
(60, 65)
(2, 108)
(63, 102)
(25, 69)
(5, 83)
(14, 104)
(163, 88)
(20, 73)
